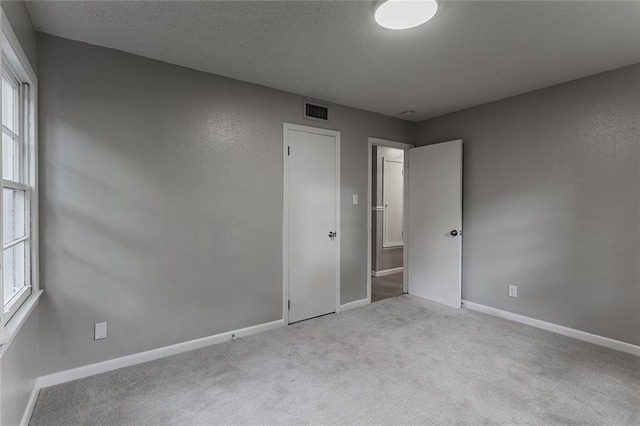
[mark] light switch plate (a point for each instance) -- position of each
(513, 291)
(355, 199)
(100, 331)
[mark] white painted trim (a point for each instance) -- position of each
(386, 272)
(3, 18)
(369, 215)
(11, 48)
(31, 404)
(285, 225)
(393, 246)
(555, 328)
(12, 39)
(338, 222)
(20, 65)
(15, 303)
(355, 304)
(285, 215)
(139, 358)
(12, 328)
(405, 219)
(391, 144)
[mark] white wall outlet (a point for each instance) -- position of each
(100, 331)
(355, 199)
(513, 291)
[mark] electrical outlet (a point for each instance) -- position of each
(100, 331)
(355, 199)
(513, 291)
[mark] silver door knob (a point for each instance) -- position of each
(455, 233)
(332, 235)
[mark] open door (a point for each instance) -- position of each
(434, 223)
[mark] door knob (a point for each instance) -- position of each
(455, 233)
(332, 235)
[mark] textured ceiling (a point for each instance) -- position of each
(470, 53)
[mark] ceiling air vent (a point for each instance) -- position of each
(316, 112)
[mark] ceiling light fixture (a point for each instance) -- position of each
(403, 14)
(408, 112)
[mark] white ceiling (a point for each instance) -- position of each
(470, 53)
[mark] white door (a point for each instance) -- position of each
(311, 221)
(434, 229)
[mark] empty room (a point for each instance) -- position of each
(320, 212)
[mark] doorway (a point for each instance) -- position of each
(431, 222)
(311, 228)
(386, 196)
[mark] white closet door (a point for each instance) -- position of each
(312, 209)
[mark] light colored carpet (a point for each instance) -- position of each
(398, 361)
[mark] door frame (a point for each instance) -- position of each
(285, 216)
(389, 144)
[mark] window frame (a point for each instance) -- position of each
(20, 134)
(14, 64)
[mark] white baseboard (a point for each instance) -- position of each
(555, 328)
(386, 272)
(355, 304)
(139, 358)
(31, 404)
(129, 360)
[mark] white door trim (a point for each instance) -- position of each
(285, 216)
(389, 144)
(386, 272)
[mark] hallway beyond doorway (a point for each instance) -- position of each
(386, 287)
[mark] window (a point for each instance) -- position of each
(18, 178)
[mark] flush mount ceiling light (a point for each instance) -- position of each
(403, 14)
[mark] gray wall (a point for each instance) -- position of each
(551, 202)
(20, 21)
(19, 372)
(383, 258)
(161, 201)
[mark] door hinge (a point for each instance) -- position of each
(288, 150)
(289, 304)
